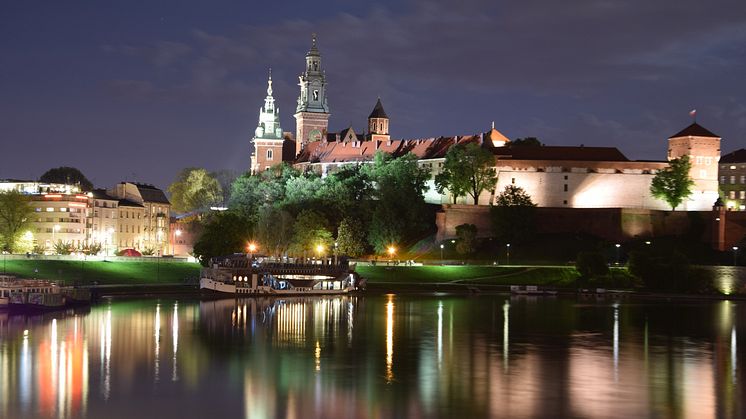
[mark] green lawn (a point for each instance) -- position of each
(78, 272)
(493, 275)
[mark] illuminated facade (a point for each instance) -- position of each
(732, 175)
(312, 112)
(144, 220)
(270, 144)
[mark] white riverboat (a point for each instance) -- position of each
(239, 275)
(37, 294)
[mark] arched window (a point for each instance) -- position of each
(269, 154)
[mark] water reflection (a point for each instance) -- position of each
(375, 357)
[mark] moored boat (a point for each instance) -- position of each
(38, 294)
(239, 275)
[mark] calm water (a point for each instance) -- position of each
(379, 356)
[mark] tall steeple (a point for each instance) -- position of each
(267, 141)
(312, 112)
(269, 116)
(378, 123)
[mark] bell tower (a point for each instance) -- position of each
(312, 112)
(378, 123)
(268, 140)
(703, 149)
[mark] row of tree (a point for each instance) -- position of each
(356, 209)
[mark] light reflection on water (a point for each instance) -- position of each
(377, 356)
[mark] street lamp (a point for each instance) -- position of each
(507, 247)
(441, 253)
(391, 251)
(335, 252)
(252, 248)
(320, 251)
(735, 255)
(617, 253)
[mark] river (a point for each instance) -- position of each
(377, 356)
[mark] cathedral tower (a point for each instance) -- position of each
(312, 113)
(703, 149)
(268, 139)
(378, 123)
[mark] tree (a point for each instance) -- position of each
(467, 169)
(67, 175)
(310, 231)
(451, 177)
(194, 189)
(399, 214)
(274, 230)
(526, 142)
(673, 183)
(513, 215)
(466, 238)
(351, 238)
(224, 233)
(591, 265)
(15, 217)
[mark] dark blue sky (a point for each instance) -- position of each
(139, 90)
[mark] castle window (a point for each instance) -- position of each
(708, 160)
(732, 180)
(565, 187)
(564, 202)
(722, 180)
(743, 179)
(699, 160)
(512, 181)
(732, 194)
(733, 168)
(316, 95)
(742, 195)
(269, 154)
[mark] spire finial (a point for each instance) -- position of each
(269, 83)
(313, 40)
(493, 124)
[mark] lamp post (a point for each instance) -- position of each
(507, 251)
(335, 252)
(617, 253)
(735, 255)
(391, 251)
(320, 251)
(441, 253)
(252, 249)
(177, 234)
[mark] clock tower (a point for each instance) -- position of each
(312, 112)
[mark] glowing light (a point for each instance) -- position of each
(28, 235)
(178, 233)
(175, 339)
(733, 357)
(616, 342)
(252, 247)
(390, 339)
(391, 250)
(77, 205)
(320, 248)
(317, 355)
(506, 334)
(157, 337)
(440, 332)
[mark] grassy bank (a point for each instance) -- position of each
(84, 273)
(484, 275)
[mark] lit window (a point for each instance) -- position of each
(733, 168)
(722, 180)
(743, 179)
(50, 209)
(63, 209)
(732, 194)
(732, 180)
(742, 195)
(269, 154)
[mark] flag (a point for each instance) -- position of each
(693, 113)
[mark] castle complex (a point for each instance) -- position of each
(554, 176)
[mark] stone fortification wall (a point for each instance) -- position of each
(614, 224)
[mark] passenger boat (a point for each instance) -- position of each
(242, 275)
(35, 294)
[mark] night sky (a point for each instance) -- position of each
(134, 90)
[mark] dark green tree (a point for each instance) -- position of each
(351, 237)
(223, 233)
(526, 142)
(467, 169)
(310, 231)
(591, 265)
(399, 215)
(67, 175)
(513, 215)
(194, 189)
(673, 183)
(15, 217)
(466, 238)
(274, 230)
